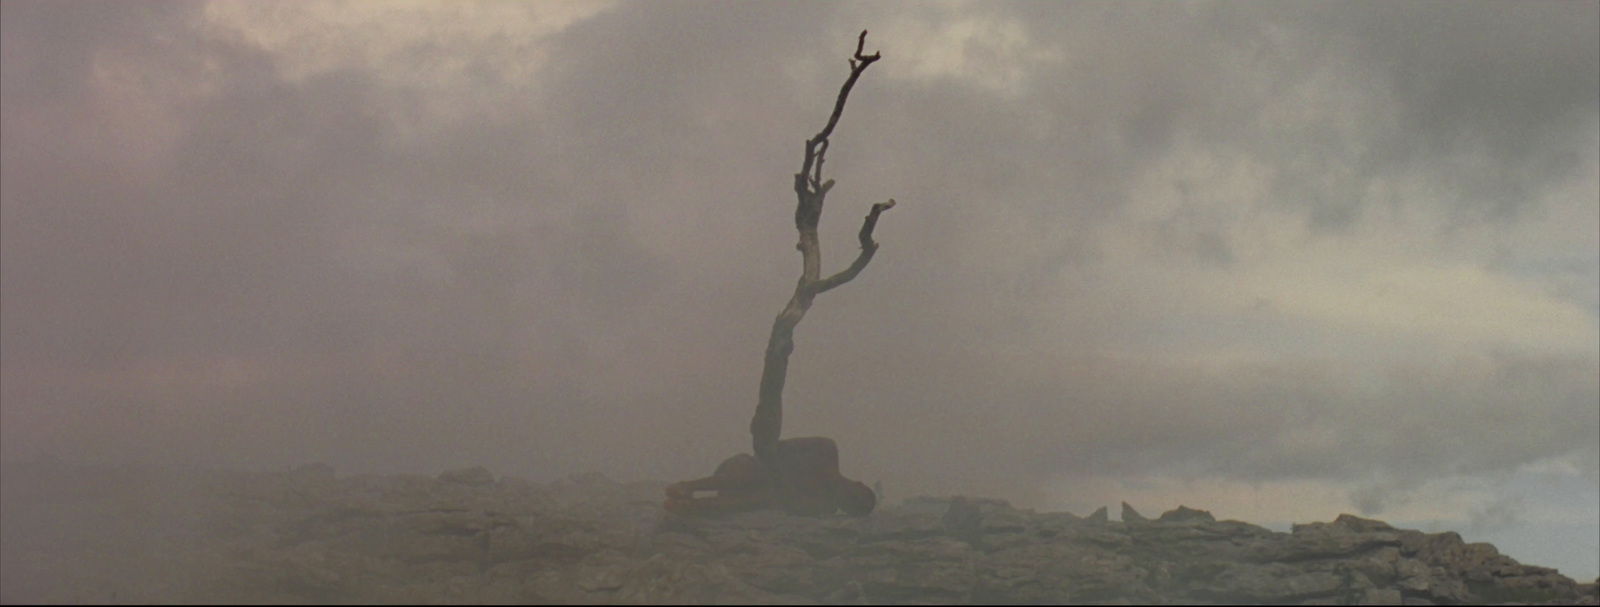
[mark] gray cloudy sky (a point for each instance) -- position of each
(1281, 260)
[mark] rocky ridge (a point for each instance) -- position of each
(309, 536)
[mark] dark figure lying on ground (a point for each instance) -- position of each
(804, 479)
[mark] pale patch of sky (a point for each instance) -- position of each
(322, 35)
(467, 55)
(952, 40)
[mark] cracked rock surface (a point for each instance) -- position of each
(465, 536)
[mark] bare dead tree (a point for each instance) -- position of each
(811, 189)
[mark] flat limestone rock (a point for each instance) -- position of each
(308, 536)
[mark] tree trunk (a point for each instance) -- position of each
(811, 190)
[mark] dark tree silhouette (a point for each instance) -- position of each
(811, 189)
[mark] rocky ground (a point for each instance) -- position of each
(308, 536)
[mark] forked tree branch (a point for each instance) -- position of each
(811, 190)
(868, 247)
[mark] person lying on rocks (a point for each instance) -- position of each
(803, 478)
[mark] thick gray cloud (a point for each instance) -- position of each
(1322, 243)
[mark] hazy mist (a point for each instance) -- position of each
(1281, 260)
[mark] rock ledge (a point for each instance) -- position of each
(308, 536)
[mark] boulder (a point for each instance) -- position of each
(1185, 513)
(1129, 515)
